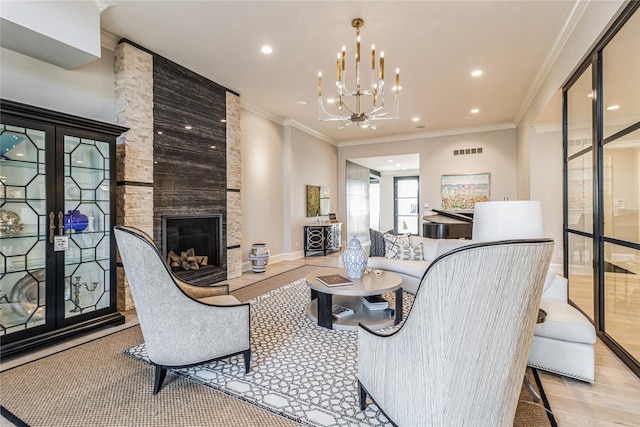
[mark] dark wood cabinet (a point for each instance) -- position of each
(57, 212)
(322, 237)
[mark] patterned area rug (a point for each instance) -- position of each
(299, 370)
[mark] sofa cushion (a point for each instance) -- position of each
(377, 243)
(429, 247)
(392, 244)
(410, 253)
(410, 268)
(564, 322)
(447, 245)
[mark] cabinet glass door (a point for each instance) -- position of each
(23, 229)
(86, 219)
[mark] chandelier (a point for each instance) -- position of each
(349, 104)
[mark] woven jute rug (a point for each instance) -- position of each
(95, 384)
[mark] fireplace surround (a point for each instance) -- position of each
(203, 234)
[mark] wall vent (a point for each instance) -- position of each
(465, 151)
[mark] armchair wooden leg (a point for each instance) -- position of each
(247, 359)
(363, 396)
(161, 371)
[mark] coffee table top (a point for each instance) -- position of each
(370, 284)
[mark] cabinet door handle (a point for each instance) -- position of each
(52, 226)
(60, 223)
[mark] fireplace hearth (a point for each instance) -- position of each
(192, 246)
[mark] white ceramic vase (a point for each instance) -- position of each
(355, 259)
(259, 257)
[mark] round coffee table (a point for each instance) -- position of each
(323, 297)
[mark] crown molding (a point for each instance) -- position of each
(547, 127)
(260, 112)
(430, 134)
(308, 130)
(569, 25)
(108, 40)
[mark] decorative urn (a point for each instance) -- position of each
(259, 257)
(355, 259)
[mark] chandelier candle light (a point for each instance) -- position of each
(353, 111)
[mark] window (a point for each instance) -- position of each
(407, 204)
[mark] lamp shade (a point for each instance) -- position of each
(504, 220)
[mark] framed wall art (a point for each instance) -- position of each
(462, 192)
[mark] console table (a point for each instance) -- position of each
(322, 237)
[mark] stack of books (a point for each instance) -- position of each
(375, 302)
(334, 280)
(339, 312)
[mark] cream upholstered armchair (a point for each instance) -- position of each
(179, 330)
(461, 354)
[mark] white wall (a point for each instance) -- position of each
(313, 162)
(546, 184)
(262, 192)
(88, 91)
(437, 159)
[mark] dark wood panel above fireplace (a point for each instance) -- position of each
(190, 161)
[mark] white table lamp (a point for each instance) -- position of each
(505, 220)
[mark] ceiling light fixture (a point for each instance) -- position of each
(476, 73)
(266, 49)
(613, 107)
(355, 112)
(475, 111)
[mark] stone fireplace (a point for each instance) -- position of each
(180, 158)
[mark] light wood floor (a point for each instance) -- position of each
(613, 400)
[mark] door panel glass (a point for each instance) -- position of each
(23, 229)
(86, 222)
(622, 296)
(579, 105)
(622, 188)
(580, 258)
(621, 78)
(580, 193)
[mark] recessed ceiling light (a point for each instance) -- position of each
(188, 127)
(266, 49)
(416, 119)
(476, 73)
(303, 102)
(613, 107)
(590, 95)
(331, 101)
(475, 111)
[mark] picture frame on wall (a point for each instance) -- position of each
(461, 192)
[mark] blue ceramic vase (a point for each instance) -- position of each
(76, 221)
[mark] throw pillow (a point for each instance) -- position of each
(410, 253)
(377, 243)
(392, 244)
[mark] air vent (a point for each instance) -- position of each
(465, 151)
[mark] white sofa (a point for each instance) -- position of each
(412, 271)
(562, 344)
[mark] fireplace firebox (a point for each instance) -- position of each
(194, 242)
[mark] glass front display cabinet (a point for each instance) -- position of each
(57, 212)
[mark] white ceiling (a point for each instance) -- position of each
(436, 45)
